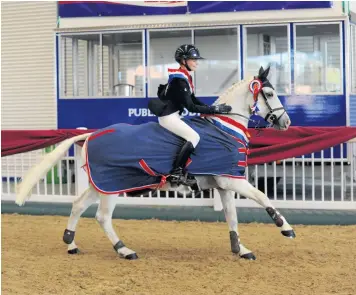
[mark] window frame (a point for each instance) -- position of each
(352, 58)
(101, 82)
(341, 56)
(287, 25)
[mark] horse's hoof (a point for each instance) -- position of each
(132, 256)
(248, 256)
(288, 233)
(73, 251)
(68, 236)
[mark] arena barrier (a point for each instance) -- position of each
(323, 180)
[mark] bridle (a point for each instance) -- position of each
(256, 86)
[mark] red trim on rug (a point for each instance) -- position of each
(242, 150)
(101, 133)
(147, 169)
(238, 140)
(241, 164)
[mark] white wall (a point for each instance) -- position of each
(28, 65)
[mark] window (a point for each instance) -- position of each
(268, 46)
(123, 64)
(318, 58)
(106, 64)
(162, 46)
(353, 58)
(80, 65)
(220, 68)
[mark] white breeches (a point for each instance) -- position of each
(174, 124)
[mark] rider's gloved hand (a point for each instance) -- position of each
(222, 109)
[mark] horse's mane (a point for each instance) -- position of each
(226, 95)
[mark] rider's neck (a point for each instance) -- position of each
(183, 67)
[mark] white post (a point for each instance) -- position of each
(81, 178)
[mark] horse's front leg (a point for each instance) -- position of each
(228, 202)
(244, 188)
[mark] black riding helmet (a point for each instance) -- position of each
(186, 51)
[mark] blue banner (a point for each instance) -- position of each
(139, 8)
(236, 6)
(304, 110)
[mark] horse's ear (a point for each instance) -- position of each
(265, 74)
(261, 71)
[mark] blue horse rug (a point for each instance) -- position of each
(124, 158)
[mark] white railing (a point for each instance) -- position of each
(308, 182)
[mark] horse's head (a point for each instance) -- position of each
(266, 102)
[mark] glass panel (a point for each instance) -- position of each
(318, 59)
(163, 45)
(80, 65)
(220, 68)
(269, 46)
(123, 65)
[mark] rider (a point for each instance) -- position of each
(176, 95)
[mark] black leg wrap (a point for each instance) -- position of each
(275, 216)
(68, 236)
(234, 240)
(73, 251)
(119, 245)
(249, 256)
(288, 233)
(132, 256)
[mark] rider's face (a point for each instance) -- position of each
(192, 64)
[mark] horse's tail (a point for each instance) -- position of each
(32, 176)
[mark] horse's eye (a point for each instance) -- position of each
(269, 94)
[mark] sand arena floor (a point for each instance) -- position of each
(175, 258)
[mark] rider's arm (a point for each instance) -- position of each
(197, 101)
(180, 89)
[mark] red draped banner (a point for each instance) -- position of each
(267, 146)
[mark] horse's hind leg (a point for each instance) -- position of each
(81, 204)
(104, 218)
(228, 202)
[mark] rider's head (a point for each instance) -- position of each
(187, 56)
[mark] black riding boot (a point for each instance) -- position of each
(178, 174)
